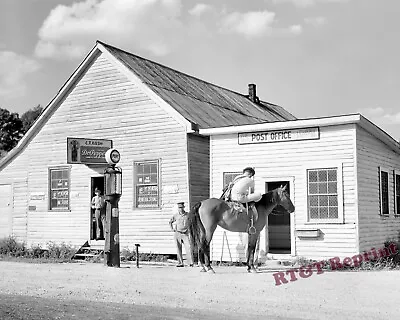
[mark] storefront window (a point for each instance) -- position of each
(59, 188)
(146, 184)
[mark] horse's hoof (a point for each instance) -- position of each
(210, 270)
(203, 270)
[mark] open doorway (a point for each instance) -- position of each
(279, 223)
(96, 182)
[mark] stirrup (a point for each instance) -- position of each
(252, 230)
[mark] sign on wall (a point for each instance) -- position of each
(279, 135)
(89, 151)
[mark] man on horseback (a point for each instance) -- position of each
(242, 190)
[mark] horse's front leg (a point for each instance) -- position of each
(252, 241)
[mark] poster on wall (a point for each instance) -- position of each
(87, 151)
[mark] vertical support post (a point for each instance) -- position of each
(137, 254)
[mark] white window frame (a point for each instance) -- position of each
(135, 185)
(386, 170)
(395, 173)
(325, 165)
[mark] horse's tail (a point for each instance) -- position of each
(196, 228)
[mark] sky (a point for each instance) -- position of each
(315, 58)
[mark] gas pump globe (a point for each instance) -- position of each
(112, 192)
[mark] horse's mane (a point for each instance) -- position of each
(267, 198)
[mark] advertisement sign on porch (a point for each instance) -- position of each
(279, 135)
(88, 151)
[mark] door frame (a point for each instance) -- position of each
(91, 193)
(291, 179)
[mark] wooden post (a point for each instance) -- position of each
(137, 254)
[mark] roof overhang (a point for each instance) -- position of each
(357, 119)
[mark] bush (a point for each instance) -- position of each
(60, 252)
(11, 247)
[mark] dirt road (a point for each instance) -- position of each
(93, 291)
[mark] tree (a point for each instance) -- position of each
(30, 116)
(11, 129)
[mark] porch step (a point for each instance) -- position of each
(89, 251)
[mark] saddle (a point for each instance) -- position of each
(238, 208)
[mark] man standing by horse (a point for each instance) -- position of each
(179, 223)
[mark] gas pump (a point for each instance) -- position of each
(112, 192)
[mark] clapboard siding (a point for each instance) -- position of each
(199, 167)
(290, 159)
(375, 229)
(20, 207)
(104, 104)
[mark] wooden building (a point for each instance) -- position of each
(152, 114)
(343, 175)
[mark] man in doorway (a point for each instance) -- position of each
(98, 203)
(179, 223)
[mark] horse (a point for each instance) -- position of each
(206, 215)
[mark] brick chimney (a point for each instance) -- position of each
(252, 92)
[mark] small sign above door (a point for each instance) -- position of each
(279, 135)
(88, 151)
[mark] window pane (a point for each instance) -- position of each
(153, 168)
(322, 175)
(313, 188)
(332, 175)
(323, 213)
(313, 213)
(323, 201)
(313, 201)
(322, 188)
(332, 187)
(312, 176)
(146, 168)
(333, 212)
(333, 201)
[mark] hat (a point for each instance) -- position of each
(181, 204)
(250, 169)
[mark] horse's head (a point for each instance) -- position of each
(282, 198)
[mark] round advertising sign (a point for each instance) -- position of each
(112, 156)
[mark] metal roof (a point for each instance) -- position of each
(200, 102)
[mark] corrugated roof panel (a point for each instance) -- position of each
(200, 102)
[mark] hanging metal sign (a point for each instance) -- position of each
(88, 151)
